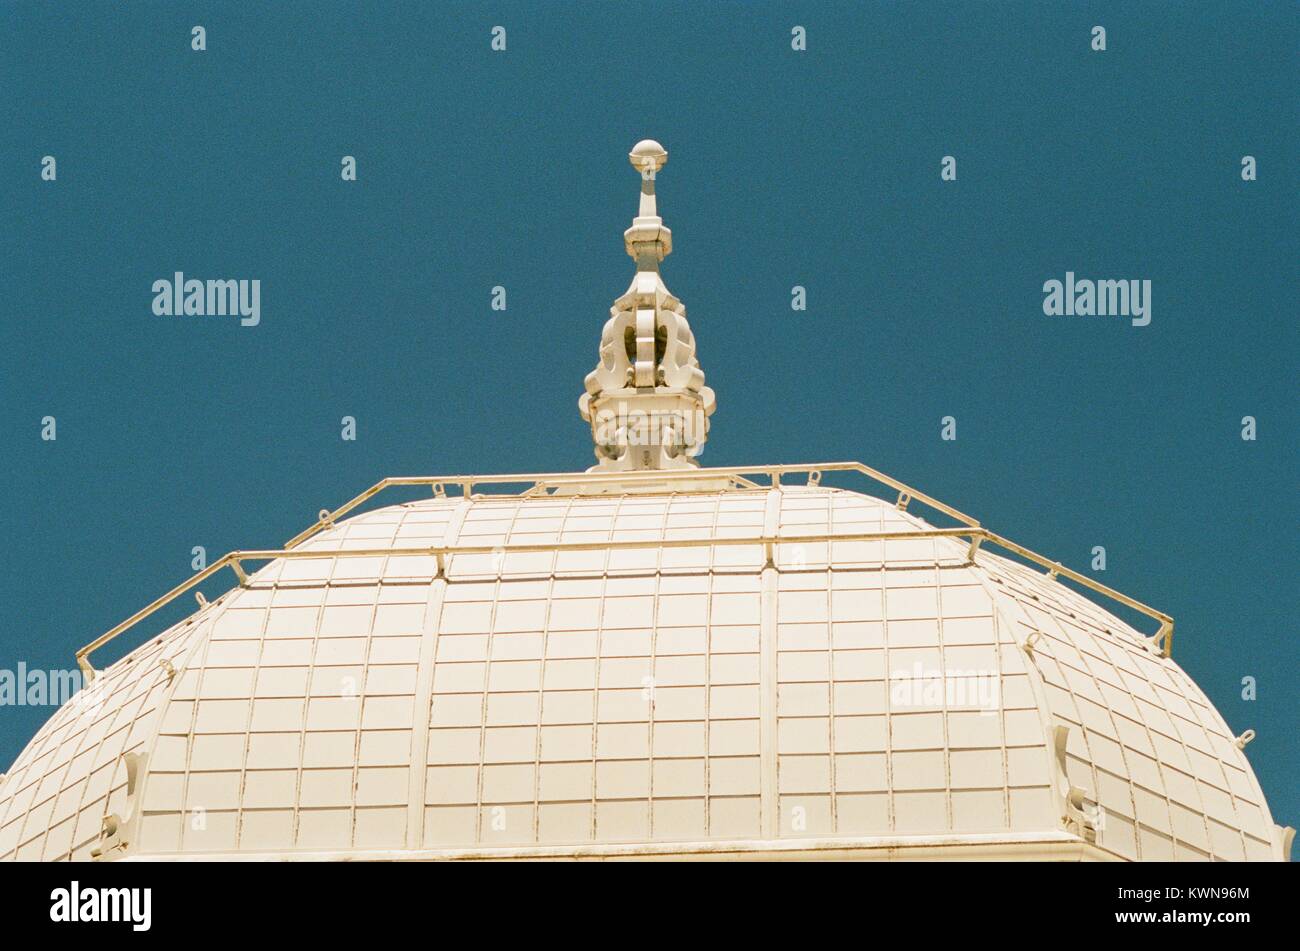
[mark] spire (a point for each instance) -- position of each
(646, 400)
(648, 242)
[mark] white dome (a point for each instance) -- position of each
(609, 692)
(647, 658)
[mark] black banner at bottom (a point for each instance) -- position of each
(317, 900)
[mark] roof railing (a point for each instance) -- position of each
(970, 530)
(597, 480)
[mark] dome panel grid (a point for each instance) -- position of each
(1144, 742)
(878, 729)
(70, 776)
(625, 695)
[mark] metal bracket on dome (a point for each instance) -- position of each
(903, 499)
(1285, 839)
(1164, 638)
(117, 833)
(1079, 814)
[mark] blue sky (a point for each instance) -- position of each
(817, 168)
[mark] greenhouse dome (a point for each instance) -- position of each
(645, 659)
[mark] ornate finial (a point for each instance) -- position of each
(646, 399)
